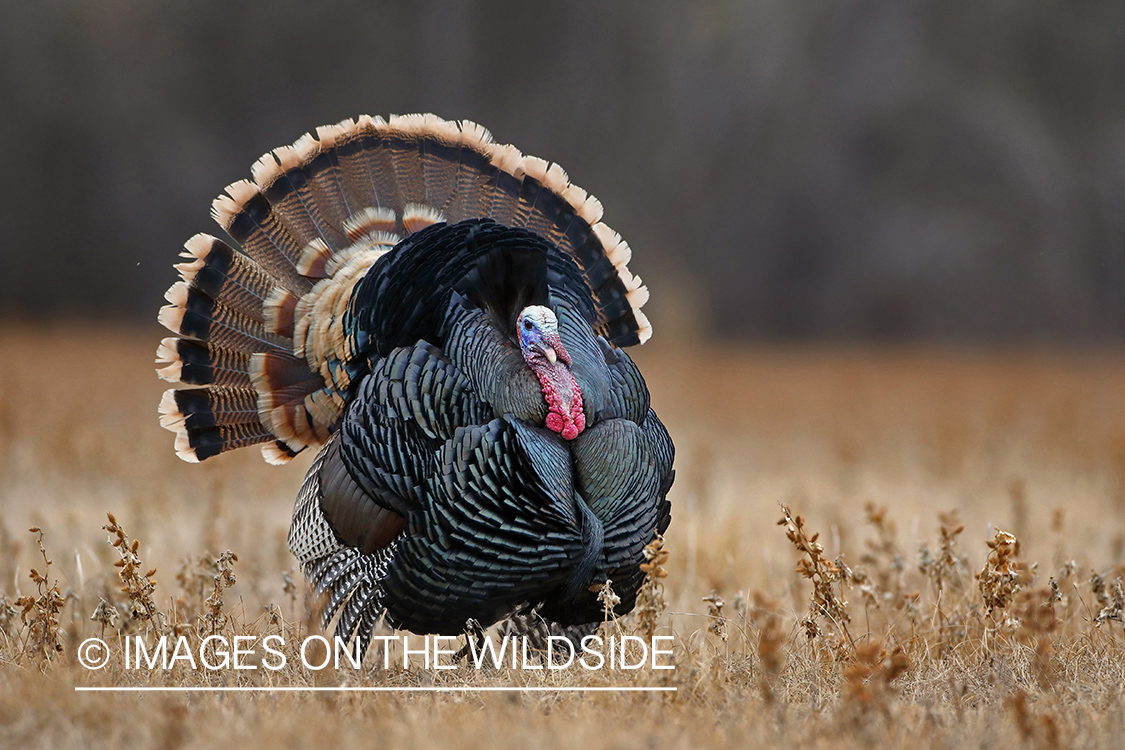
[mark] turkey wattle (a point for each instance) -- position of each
(441, 317)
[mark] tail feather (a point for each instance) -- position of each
(217, 271)
(279, 311)
(196, 363)
(550, 215)
(355, 174)
(330, 138)
(439, 148)
(208, 421)
(195, 315)
(314, 260)
(281, 177)
(323, 177)
(506, 183)
(531, 186)
(247, 216)
(369, 222)
(418, 216)
(375, 152)
(475, 177)
(197, 445)
(278, 453)
(407, 154)
(198, 408)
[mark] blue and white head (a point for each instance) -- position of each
(538, 329)
(543, 350)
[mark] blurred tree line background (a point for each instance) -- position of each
(864, 169)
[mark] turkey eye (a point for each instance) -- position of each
(527, 325)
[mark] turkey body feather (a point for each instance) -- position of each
(442, 318)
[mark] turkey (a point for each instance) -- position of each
(443, 320)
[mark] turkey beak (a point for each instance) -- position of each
(553, 349)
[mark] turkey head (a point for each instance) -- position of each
(543, 350)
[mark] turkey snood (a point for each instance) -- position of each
(545, 354)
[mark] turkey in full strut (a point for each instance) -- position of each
(442, 318)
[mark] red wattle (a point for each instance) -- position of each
(567, 424)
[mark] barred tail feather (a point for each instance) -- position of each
(197, 363)
(247, 216)
(208, 421)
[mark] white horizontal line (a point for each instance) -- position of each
(381, 689)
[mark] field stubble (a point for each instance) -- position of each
(945, 573)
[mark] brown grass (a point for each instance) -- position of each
(948, 572)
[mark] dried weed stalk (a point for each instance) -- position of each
(196, 579)
(1003, 574)
(650, 599)
(740, 605)
(41, 613)
(1063, 580)
(214, 620)
(944, 568)
(104, 614)
(608, 599)
(718, 624)
(138, 587)
(825, 574)
(1112, 606)
(882, 556)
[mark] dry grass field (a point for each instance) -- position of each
(949, 576)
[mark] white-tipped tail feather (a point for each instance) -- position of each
(369, 221)
(170, 416)
(171, 316)
(418, 216)
(166, 356)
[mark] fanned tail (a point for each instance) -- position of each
(260, 327)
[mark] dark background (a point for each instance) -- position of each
(859, 170)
